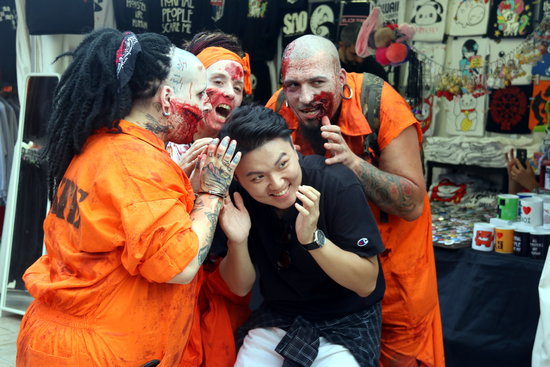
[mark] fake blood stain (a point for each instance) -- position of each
(234, 71)
(323, 101)
(187, 125)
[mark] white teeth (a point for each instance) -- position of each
(224, 106)
(281, 193)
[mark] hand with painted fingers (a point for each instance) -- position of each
(188, 161)
(308, 213)
(337, 146)
(235, 220)
(218, 166)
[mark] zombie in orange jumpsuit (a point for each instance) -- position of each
(126, 235)
(317, 89)
(221, 311)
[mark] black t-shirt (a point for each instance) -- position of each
(261, 28)
(180, 20)
(369, 65)
(132, 15)
(291, 282)
(8, 26)
(295, 18)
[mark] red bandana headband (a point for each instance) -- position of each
(210, 55)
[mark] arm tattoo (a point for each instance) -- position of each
(217, 179)
(386, 189)
(213, 220)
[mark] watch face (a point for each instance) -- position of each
(319, 237)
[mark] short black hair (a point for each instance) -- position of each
(253, 125)
(348, 35)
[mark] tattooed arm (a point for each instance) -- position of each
(215, 176)
(397, 186)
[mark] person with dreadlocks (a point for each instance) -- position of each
(126, 235)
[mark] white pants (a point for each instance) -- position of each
(259, 345)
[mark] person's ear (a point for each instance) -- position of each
(165, 97)
(342, 77)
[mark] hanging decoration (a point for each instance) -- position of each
(450, 81)
(389, 43)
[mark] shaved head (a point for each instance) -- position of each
(183, 69)
(307, 47)
(312, 79)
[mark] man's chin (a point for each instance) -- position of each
(311, 123)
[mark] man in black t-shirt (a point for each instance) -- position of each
(307, 228)
(350, 61)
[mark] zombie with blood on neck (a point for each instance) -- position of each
(312, 79)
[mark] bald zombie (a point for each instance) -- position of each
(179, 103)
(312, 79)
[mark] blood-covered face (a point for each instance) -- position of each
(225, 92)
(188, 104)
(312, 86)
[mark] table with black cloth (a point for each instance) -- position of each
(489, 307)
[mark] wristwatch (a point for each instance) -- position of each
(318, 240)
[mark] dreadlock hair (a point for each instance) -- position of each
(206, 39)
(253, 126)
(88, 96)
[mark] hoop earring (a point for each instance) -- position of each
(343, 94)
(286, 103)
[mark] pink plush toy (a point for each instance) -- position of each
(387, 42)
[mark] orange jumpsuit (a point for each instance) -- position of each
(117, 231)
(411, 322)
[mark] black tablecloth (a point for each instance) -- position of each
(489, 307)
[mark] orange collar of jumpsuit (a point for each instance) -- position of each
(210, 55)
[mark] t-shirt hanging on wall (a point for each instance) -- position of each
(295, 20)
(467, 18)
(511, 18)
(353, 12)
(539, 114)
(179, 20)
(228, 15)
(132, 15)
(509, 110)
(8, 26)
(261, 29)
(429, 18)
(542, 67)
(467, 115)
(323, 17)
(393, 11)
(59, 16)
(261, 81)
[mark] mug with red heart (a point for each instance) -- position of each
(531, 211)
(504, 239)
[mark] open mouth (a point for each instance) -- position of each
(281, 193)
(313, 112)
(223, 110)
